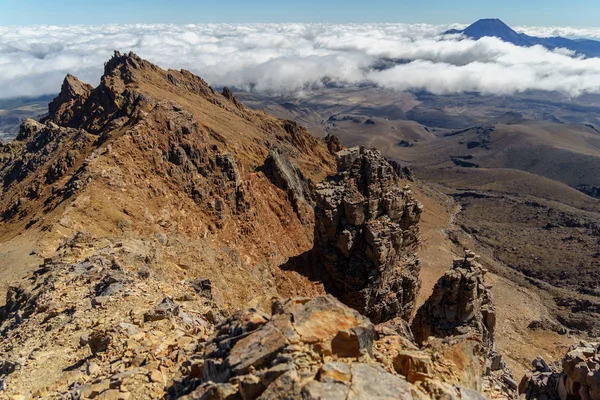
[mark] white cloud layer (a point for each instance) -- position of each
(564, 31)
(291, 57)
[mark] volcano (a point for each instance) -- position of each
(494, 27)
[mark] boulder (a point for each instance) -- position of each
(166, 309)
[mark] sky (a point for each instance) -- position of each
(576, 13)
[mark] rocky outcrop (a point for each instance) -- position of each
(121, 337)
(461, 304)
(321, 349)
(579, 377)
(366, 235)
(69, 102)
(284, 174)
(308, 348)
(333, 143)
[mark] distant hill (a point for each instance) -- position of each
(496, 28)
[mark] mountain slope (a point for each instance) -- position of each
(153, 152)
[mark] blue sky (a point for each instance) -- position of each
(513, 12)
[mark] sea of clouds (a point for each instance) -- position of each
(286, 58)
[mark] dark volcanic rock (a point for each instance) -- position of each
(366, 236)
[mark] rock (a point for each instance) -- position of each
(314, 390)
(92, 368)
(202, 286)
(335, 372)
(285, 350)
(99, 341)
(283, 173)
(228, 94)
(251, 387)
(256, 350)
(70, 101)
(414, 365)
(213, 391)
(579, 377)
(156, 376)
(333, 144)
(373, 383)
(461, 303)
(327, 322)
(366, 236)
(166, 309)
(28, 128)
(287, 386)
(540, 365)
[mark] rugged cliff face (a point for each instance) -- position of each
(366, 236)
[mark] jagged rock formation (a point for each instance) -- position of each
(461, 306)
(284, 174)
(366, 236)
(577, 378)
(70, 100)
(126, 342)
(151, 152)
(321, 349)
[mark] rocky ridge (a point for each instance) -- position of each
(461, 306)
(128, 334)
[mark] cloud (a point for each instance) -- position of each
(284, 58)
(551, 31)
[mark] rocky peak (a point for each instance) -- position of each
(73, 94)
(366, 236)
(228, 94)
(73, 88)
(125, 65)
